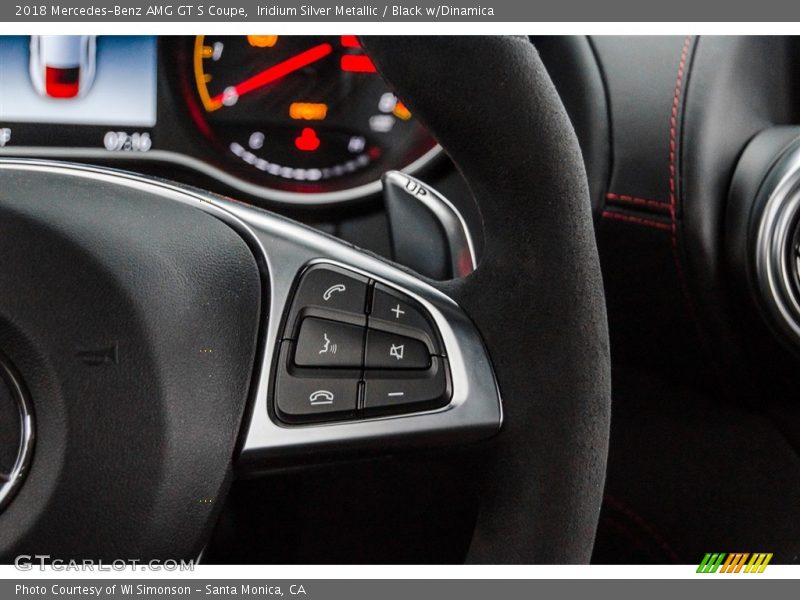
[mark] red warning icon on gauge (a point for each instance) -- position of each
(307, 141)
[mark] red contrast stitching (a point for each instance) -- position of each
(673, 134)
(655, 204)
(607, 214)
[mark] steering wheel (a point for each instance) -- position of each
(155, 336)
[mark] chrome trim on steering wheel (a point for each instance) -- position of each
(11, 482)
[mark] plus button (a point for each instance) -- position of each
(398, 311)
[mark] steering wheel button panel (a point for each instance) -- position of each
(331, 292)
(324, 343)
(326, 338)
(395, 311)
(385, 391)
(391, 351)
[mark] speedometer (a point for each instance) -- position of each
(303, 115)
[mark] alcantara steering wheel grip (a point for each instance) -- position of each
(537, 295)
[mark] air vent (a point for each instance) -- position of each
(796, 257)
(777, 246)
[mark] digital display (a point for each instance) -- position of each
(80, 80)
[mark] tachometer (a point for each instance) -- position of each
(303, 114)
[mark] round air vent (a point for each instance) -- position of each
(762, 235)
(776, 244)
(16, 432)
(796, 252)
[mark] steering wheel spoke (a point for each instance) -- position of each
(315, 279)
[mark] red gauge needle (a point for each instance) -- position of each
(295, 63)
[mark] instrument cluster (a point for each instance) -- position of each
(292, 119)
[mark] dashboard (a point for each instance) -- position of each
(297, 120)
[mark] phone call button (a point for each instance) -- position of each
(329, 287)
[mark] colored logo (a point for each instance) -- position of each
(735, 562)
